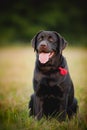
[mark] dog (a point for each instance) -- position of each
(53, 88)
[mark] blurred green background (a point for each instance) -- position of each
(20, 20)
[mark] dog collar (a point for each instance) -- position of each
(63, 71)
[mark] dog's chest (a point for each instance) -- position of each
(49, 85)
(48, 79)
(52, 79)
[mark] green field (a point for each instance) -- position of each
(16, 72)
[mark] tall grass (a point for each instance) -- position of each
(16, 72)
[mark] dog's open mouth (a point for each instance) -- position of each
(44, 57)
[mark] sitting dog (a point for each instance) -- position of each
(53, 88)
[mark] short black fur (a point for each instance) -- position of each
(53, 92)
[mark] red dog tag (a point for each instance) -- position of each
(63, 71)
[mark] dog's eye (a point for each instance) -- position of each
(41, 38)
(50, 39)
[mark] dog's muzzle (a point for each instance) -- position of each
(45, 52)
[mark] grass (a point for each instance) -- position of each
(16, 72)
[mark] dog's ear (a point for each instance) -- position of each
(34, 41)
(62, 42)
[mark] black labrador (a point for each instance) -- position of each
(53, 88)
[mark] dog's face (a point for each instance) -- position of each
(47, 44)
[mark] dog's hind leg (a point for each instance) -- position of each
(72, 110)
(31, 106)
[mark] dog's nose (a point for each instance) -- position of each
(43, 45)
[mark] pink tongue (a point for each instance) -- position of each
(44, 57)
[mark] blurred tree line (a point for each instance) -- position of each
(21, 19)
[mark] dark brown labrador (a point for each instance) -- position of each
(53, 88)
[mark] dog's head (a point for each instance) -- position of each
(47, 44)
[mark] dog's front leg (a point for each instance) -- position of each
(38, 108)
(63, 108)
(62, 112)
